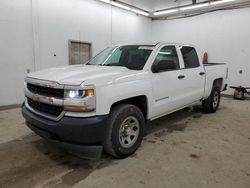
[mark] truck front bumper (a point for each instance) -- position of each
(75, 134)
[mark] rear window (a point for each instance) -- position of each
(190, 57)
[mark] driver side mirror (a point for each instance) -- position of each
(163, 65)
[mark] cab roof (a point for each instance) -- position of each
(154, 44)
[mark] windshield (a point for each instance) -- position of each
(133, 57)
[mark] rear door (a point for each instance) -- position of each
(194, 80)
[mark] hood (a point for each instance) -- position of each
(89, 74)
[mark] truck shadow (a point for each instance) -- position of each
(176, 121)
(76, 168)
(32, 157)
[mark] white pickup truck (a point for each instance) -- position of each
(107, 102)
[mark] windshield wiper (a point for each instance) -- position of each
(107, 65)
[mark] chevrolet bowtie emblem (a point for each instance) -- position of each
(35, 98)
(50, 99)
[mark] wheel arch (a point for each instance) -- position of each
(140, 101)
(218, 83)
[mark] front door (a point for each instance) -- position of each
(168, 85)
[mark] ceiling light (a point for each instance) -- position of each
(194, 6)
(140, 12)
(165, 12)
(220, 2)
(120, 5)
(105, 1)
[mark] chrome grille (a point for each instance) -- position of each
(46, 91)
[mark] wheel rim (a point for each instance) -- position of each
(215, 100)
(129, 131)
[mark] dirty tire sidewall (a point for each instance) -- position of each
(216, 94)
(208, 105)
(118, 114)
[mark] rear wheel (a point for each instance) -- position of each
(125, 130)
(212, 103)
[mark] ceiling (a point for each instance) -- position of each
(156, 8)
(153, 5)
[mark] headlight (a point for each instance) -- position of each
(79, 100)
(72, 93)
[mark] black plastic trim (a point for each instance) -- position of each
(79, 131)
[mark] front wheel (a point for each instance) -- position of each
(211, 104)
(125, 130)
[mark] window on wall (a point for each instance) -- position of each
(190, 57)
(79, 52)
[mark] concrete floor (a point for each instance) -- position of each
(185, 149)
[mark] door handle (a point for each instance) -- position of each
(202, 73)
(181, 77)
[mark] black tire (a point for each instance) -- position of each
(211, 104)
(119, 114)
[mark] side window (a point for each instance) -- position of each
(190, 57)
(167, 54)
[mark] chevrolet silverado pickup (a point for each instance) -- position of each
(106, 103)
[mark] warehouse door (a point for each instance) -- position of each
(79, 52)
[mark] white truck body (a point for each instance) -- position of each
(107, 101)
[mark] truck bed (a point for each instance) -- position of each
(214, 71)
